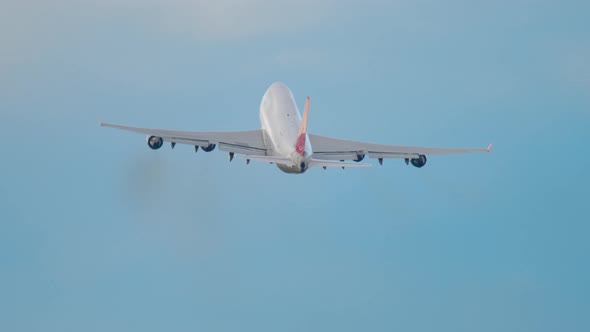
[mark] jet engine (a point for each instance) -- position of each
(359, 157)
(419, 162)
(208, 148)
(155, 142)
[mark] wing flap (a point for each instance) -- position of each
(242, 149)
(335, 155)
(269, 159)
(374, 154)
(328, 163)
(180, 140)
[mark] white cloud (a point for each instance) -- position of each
(576, 68)
(300, 57)
(24, 27)
(30, 28)
(230, 19)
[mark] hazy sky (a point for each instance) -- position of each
(100, 233)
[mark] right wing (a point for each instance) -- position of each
(249, 142)
(328, 148)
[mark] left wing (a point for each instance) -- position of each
(328, 148)
(249, 142)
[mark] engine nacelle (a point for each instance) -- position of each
(419, 162)
(359, 157)
(208, 148)
(155, 142)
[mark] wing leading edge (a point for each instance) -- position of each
(250, 142)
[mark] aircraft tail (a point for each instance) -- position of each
(300, 145)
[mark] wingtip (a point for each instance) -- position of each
(490, 147)
(100, 122)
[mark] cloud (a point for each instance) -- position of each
(229, 19)
(576, 68)
(30, 29)
(24, 27)
(38, 33)
(300, 57)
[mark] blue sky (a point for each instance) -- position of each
(98, 232)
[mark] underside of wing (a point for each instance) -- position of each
(328, 148)
(249, 142)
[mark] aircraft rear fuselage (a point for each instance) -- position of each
(281, 124)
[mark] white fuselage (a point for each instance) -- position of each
(281, 124)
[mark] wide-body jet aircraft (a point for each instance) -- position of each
(283, 140)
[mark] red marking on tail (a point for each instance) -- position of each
(300, 145)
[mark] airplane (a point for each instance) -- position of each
(283, 140)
